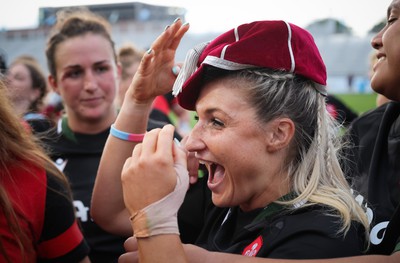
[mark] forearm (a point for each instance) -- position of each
(108, 209)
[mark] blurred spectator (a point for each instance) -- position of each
(53, 107)
(339, 111)
(27, 87)
(129, 57)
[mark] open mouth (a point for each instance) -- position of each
(211, 169)
(216, 173)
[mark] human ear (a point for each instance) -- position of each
(281, 132)
(53, 84)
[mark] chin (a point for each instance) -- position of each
(377, 87)
(220, 202)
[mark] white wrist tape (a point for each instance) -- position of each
(161, 217)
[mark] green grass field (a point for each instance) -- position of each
(360, 103)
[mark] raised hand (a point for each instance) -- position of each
(155, 76)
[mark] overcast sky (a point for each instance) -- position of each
(222, 15)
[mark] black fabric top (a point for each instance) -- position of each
(374, 165)
(275, 232)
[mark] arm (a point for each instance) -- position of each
(154, 77)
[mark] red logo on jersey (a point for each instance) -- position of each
(252, 249)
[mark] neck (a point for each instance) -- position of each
(21, 107)
(86, 126)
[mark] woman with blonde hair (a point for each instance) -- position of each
(264, 134)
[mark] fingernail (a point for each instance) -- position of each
(149, 51)
(186, 24)
(177, 19)
(165, 29)
(176, 70)
(177, 142)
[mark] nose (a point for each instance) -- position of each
(89, 81)
(376, 41)
(194, 143)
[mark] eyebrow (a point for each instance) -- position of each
(79, 66)
(393, 5)
(212, 110)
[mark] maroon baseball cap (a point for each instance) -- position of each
(261, 44)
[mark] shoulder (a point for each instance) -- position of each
(294, 234)
(26, 187)
(373, 118)
(315, 218)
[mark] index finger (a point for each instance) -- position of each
(165, 141)
(165, 39)
(179, 35)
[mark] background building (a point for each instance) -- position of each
(346, 55)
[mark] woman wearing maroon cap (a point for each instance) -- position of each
(385, 81)
(265, 136)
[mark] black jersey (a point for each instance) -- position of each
(275, 232)
(78, 156)
(45, 215)
(375, 165)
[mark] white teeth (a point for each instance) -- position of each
(205, 162)
(381, 58)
